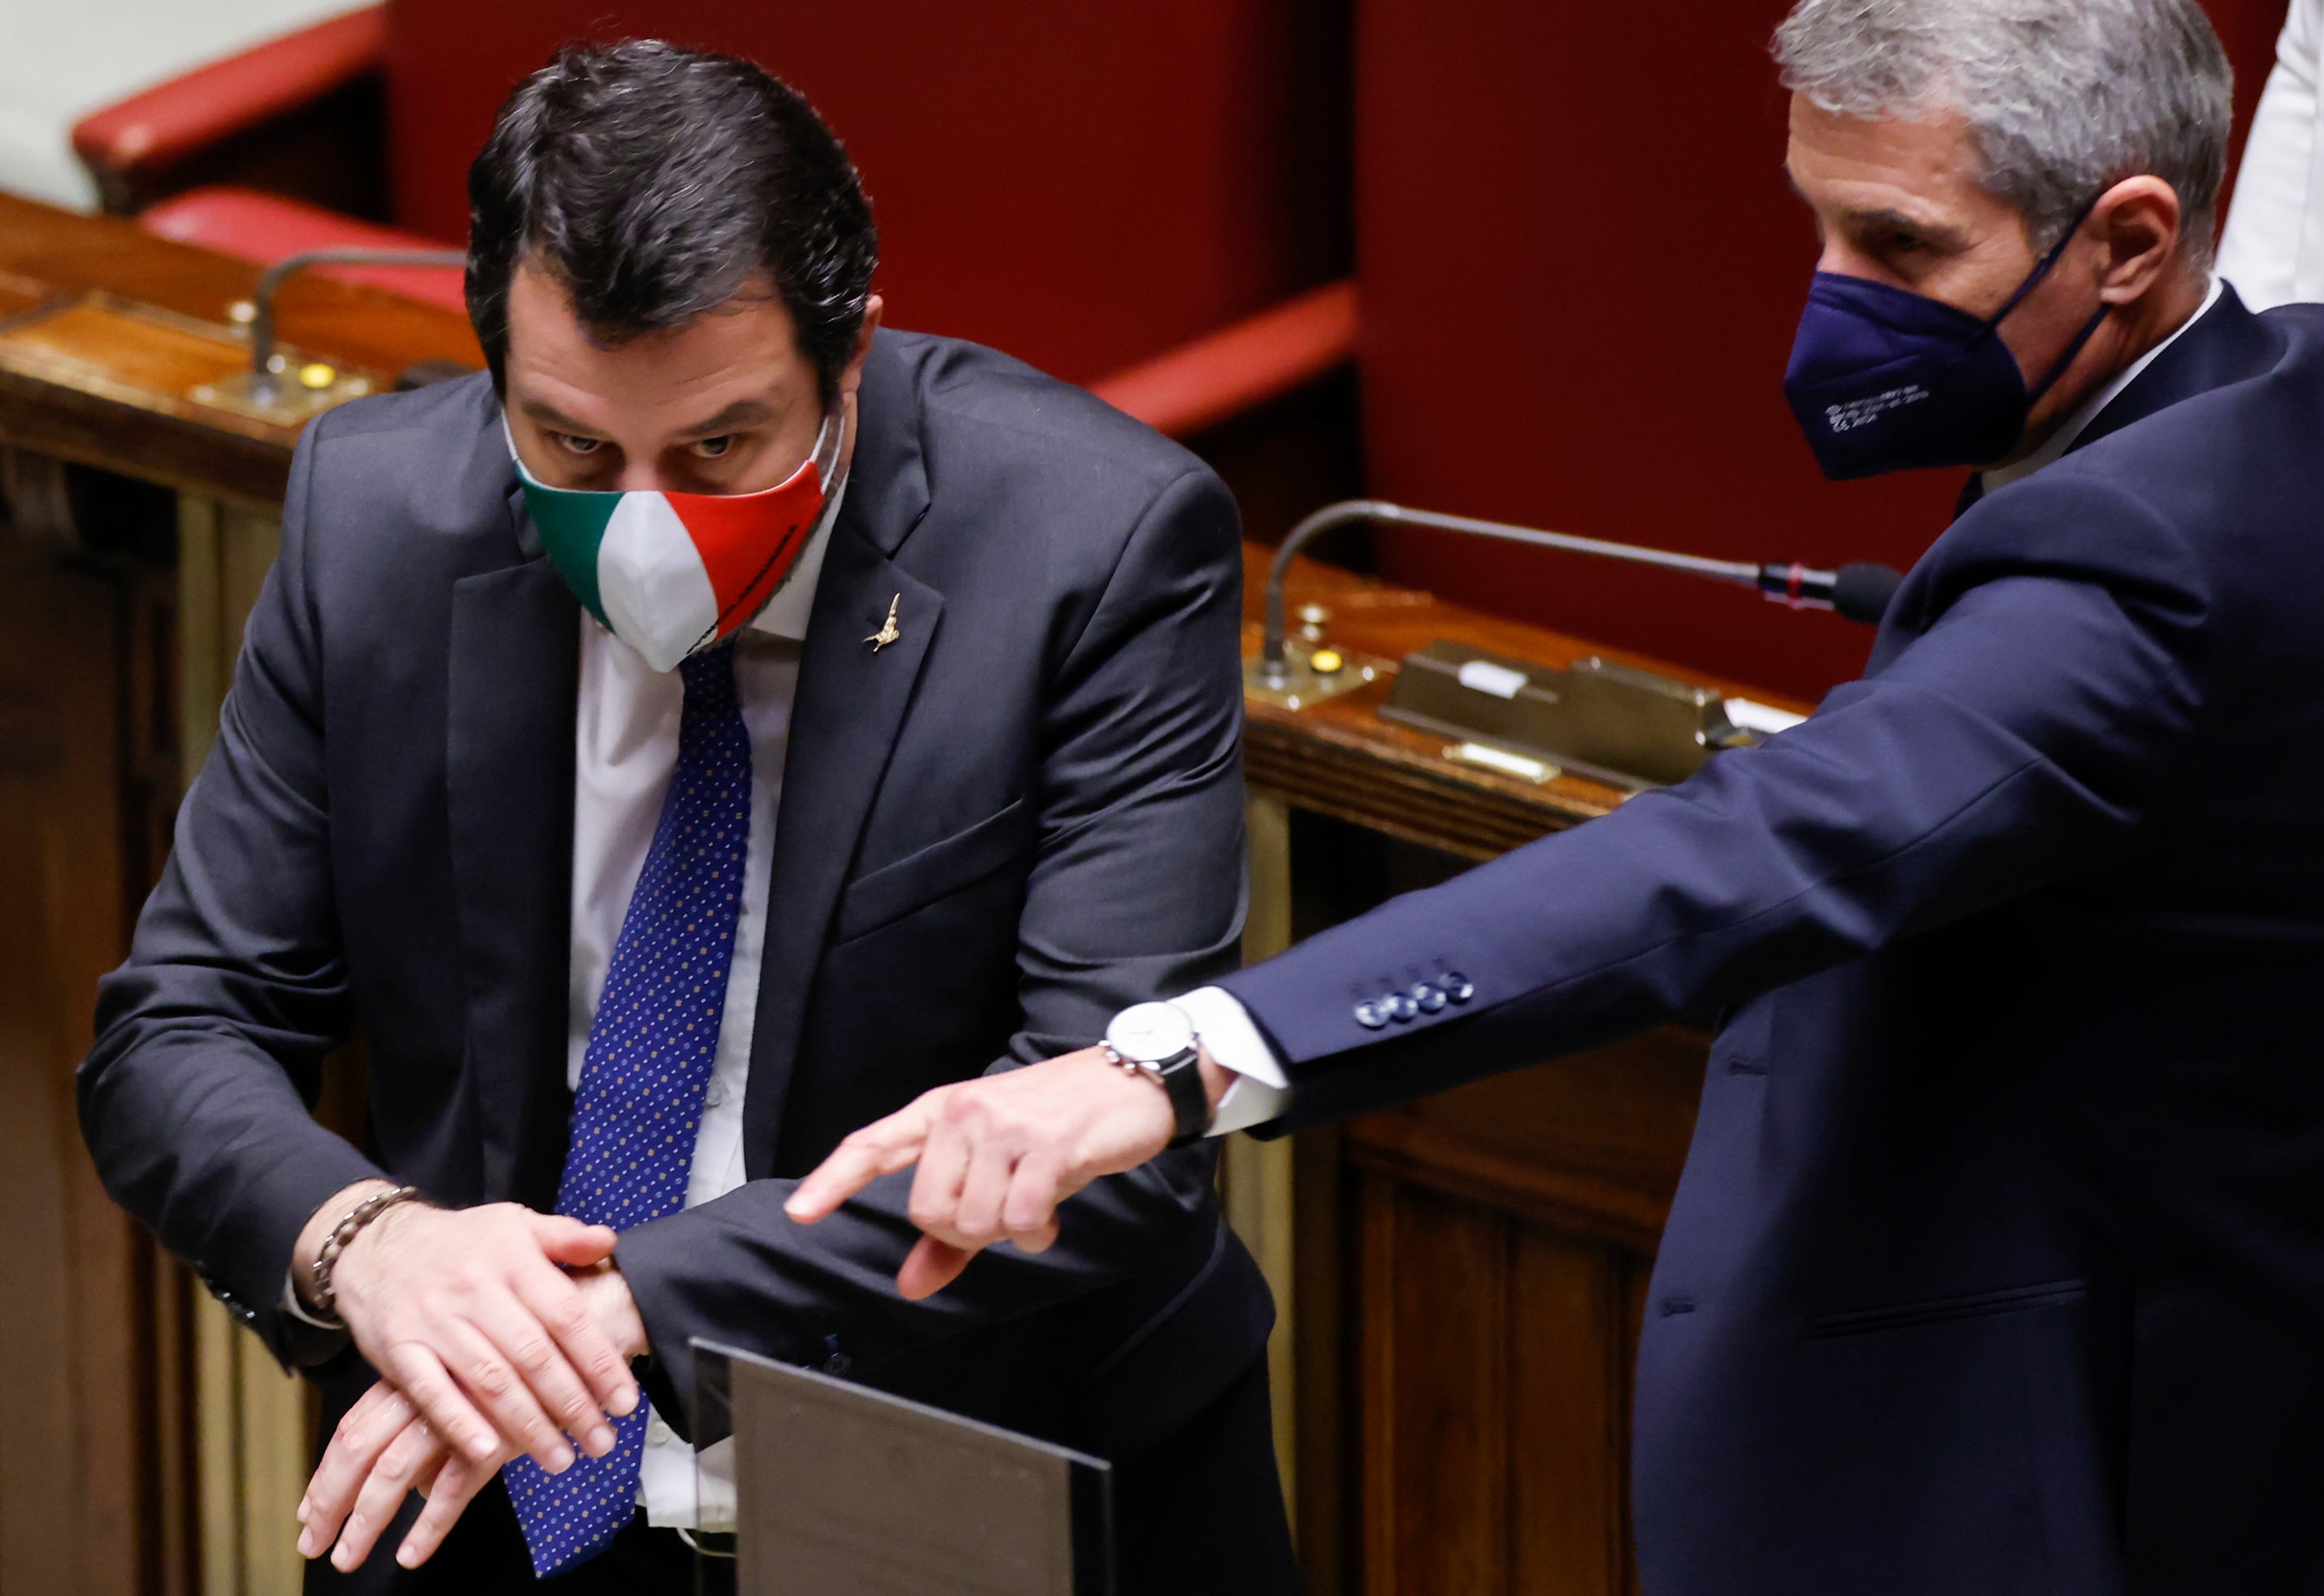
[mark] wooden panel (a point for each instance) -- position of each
(76, 1466)
(1591, 1143)
(1256, 1177)
(1435, 1288)
(1504, 1233)
(1568, 1422)
(252, 1419)
(1494, 1372)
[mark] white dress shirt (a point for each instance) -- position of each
(2273, 249)
(625, 751)
(1225, 1027)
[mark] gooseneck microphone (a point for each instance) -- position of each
(1858, 592)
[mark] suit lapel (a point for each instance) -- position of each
(849, 708)
(509, 771)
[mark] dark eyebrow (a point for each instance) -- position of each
(548, 415)
(742, 412)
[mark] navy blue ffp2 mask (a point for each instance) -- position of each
(1883, 379)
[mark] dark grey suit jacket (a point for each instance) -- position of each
(994, 833)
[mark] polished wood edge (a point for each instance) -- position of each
(195, 456)
(1589, 1204)
(1374, 784)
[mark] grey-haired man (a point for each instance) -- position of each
(1997, 1264)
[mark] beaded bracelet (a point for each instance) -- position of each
(344, 1231)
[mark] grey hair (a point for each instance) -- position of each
(2063, 98)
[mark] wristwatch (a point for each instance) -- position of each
(1157, 1040)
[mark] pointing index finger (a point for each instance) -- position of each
(880, 1148)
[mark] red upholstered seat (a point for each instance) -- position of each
(268, 227)
(1088, 187)
(172, 121)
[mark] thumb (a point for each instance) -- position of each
(570, 1243)
(932, 1266)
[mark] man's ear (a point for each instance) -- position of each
(2137, 223)
(852, 378)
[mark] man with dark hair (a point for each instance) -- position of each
(665, 750)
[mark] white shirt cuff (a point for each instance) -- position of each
(298, 1309)
(1260, 1087)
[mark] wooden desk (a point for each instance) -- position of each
(106, 330)
(1458, 1394)
(1461, 1277)
(161, 1450)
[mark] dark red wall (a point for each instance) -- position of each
(1581, 267)
(1081, 182)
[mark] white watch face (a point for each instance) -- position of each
(1149, 1033)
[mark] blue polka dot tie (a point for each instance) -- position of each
(651, 1051)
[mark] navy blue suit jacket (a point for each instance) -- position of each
(1997, 1264)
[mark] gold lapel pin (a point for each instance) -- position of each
(887, 632)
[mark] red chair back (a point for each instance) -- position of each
(1081, 185)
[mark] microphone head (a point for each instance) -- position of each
(1862, 592)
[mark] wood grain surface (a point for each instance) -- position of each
(1340, 757)
(105, 330)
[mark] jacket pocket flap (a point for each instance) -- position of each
(1976, 1305)
(937, 871)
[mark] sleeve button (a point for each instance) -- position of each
(1370, 1016)
(1459, 989)
(1399, 1006)
(1429, 996)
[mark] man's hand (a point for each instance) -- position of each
(471, 1314)
(384, 1447)
(998, 1153)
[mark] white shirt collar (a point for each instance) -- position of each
(2073, 426)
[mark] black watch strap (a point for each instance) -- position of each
(1190, 1104)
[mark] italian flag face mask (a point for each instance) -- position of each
(672, 573)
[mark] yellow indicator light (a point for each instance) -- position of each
(1326, 662)
(316, 374)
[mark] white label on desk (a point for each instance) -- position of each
(1763, 718)
(1499, 680)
